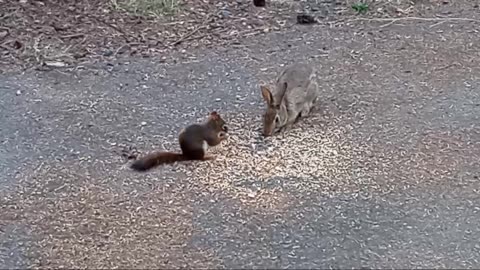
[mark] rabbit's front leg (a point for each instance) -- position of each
(290, 121)
(286, 128)
(307, 108)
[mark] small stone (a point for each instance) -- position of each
(19, 92)
(55, 64)
(259, 3)
(107, 53)
(225, 13)
(305, 19)
(143, 123)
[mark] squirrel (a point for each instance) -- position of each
(194, 141)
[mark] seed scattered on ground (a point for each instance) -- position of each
(312, 156)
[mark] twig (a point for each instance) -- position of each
(125, 36)
(394, 20)
(193, 32)
(387, 24)
(186, 36)
(177, 22)
(73, 35)
(193, 38)
(124, 46)
(447, 66)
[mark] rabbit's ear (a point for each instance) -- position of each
(267, 95)
(283, 90)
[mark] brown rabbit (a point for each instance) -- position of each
(294, 95)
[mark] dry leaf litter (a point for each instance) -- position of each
(52, 34)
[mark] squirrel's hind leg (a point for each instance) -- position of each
(205, 148)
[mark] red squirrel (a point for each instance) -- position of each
(194, 141)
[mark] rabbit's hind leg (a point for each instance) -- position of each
(307, 108)
(288, 126)
(311, 99)
(292, 118)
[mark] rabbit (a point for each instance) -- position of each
(294, 95)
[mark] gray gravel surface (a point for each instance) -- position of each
(407, 97)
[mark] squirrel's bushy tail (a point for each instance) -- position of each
(149, 161)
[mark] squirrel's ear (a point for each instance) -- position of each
(214, 115)
(267, 95)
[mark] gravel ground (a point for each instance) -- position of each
(392, 179)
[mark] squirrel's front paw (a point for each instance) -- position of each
(223, 135)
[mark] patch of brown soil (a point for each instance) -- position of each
(56, 34)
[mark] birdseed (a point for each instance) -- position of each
(313, 156)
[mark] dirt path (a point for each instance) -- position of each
(394, 167)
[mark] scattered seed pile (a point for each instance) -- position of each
(312, 156)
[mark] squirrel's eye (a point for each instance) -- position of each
(277, 119)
